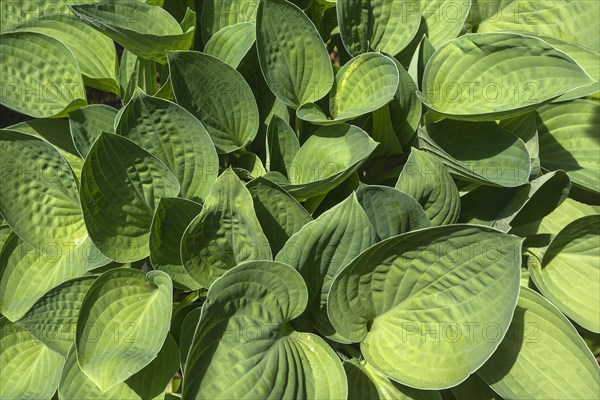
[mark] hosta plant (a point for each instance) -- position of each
(300, 199)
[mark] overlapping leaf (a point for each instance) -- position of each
(134, 308)
(50, 83)
(146, 30)
(245, 347)
(121, 184)
(489, 76)
(435, 280)
(224, 234)
(218, 96)
(87, 123)
(232, 43)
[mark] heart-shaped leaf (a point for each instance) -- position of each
(539, 331)
(489, 76)
(95, 53)
(391, 211)
(428, 181)
(121, 184)
(175, 137)
(51, 83)
(386, 26)
(146, 30)
(149, 383)
(30, 370)
(569, 275)
(224, 234)
(401, 296)
(218, 96)
(293, 59)
(320, 250)
(172, 217)
(122, 325)
(327, 158)
(37, 175)
(244, 345)
(367, 83)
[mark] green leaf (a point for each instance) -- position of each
(232, 43)
(365, 84)
(320, 250)
(293, 58)
(172, 217)
(175, 137)
(87, 123)
(542, 356)
(56, 132)
(282, 146)
(121, 184)
(50, 82)
(224, 234)
(30, 370)
(36, 174)
(569, 141)
(95, 53)
(188, 329)
(567, 212)
(327, 158)
(489, 76)
(573, 21)
(123, 302)
(428, 181)
(569, 275)
(244, 345)
(365, 382)
(420, 303)
(279, 214)
(145, 30)
(444, 19)
(53, 318)
(419, 60)
(385, 26)
(391, 211)
(218, 96)
(5, 233)
(27, 273)
(513, 208)
(406, 108)
(148, 384)
(251, 163)
(136, 72)
(480, 152)
(220, 14)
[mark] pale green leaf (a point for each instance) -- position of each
(87, 123)
(232, 43)
(385, 26)
(569, 275)
(542, 356)
(391, 211)
(428, 181)
(444, 19)
(95, 53)
(489, 76)
(411, 299)
(48, 79)
(132, 305)
(220, 14)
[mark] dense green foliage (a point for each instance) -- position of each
(300, 199)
